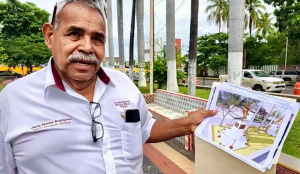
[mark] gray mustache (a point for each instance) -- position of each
(79, 56)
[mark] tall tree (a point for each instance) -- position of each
(212, 51)
(121, 36)
(19, 19)
(110, 34)
(131, 44)
(265, 25)
(193, 47)
(171, 57)
(235, 47)
(140, 38)
(253, 8)
(160, 70)
(287, 14)
(21, 35)
(218, 12)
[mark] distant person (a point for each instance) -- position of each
(74, 116)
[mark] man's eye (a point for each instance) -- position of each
(73, 34)
(98, 39)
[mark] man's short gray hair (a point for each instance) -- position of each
(98, 5)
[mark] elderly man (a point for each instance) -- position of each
(75, 117)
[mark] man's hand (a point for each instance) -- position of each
(196, 117)
(165, 130)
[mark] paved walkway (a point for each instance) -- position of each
(170, 158)
(161, 158)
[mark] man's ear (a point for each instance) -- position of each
(48, 32)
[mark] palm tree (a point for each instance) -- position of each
(193, 47)
(264, 25)
(140, 41)
(170, 47)
(110, 34)
(253, 7)
(121, 36)
(235, 40)
(219, 12)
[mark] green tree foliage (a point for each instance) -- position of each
(212, 51)
(160, 69)
(21, 19)
(287, 13)
(270, 50)
(3, 56)
(257, 51)
(216, 62)
(21, 35)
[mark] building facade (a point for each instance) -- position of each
(159, 46)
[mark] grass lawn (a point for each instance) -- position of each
(292, 143)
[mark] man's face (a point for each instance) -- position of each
(79, 43)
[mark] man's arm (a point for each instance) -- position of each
(165, 130)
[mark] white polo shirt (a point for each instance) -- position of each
(45, 126)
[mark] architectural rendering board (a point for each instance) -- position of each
(248, 125)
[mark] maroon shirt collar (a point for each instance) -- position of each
(58, 82)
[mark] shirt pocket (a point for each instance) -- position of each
(132, 141)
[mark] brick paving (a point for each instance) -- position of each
(169, 158)
(283, 170)
(149, 167)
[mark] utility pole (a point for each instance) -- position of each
(121, 36)
(193, 48)
(110, 35)
(131, 40)
(141, 41)
(286, 52)
(235, 41)
(151, 43)
(170, 48)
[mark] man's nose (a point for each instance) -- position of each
(86, 45)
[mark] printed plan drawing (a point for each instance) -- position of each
(249, 125)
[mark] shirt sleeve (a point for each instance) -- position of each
(7, 163)
(146, 119)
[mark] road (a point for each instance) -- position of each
(288, 89)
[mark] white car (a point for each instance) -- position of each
(286, 75)
(259, 80)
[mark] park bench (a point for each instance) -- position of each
(165, 105)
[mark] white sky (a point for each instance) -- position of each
(182, 23)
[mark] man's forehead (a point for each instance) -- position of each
(76, 13)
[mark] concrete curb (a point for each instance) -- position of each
(289, 162)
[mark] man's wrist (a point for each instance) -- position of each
(187, 124)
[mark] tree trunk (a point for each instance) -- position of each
(220, 24)
(110, 35)
(250, 26)
(121, 36)
(140, 41)
(131, 44)
(193, 47)
(170, 48)
(235, 41)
